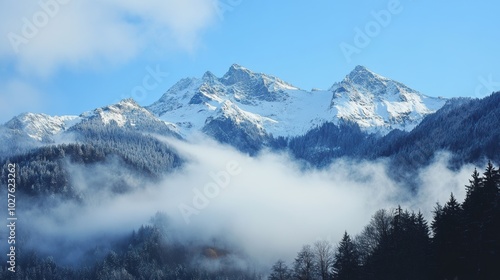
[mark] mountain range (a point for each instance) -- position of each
(72, 162)
(254, 106)
(365, 115)
(71, 170)
(271, 106)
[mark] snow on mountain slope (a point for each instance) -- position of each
(29, 130)
(33, 130)
(379, 103)
(375, 103)
(239, 94)
(41, 127)
(243, 103)
(127, 113)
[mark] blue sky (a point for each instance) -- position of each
(69, 56)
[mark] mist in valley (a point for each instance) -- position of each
(254, 209)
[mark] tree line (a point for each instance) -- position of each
(461, 242)
(147, 253)
(43, 172)
(468, 128)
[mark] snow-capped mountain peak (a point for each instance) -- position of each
(123, 113)
(128, 115)
(40, 127)
(244, 77)
(378, 103)
(249, 103)
(244, 107)
(375, 103)
(366, 79)
(209, 77)
(237, 74)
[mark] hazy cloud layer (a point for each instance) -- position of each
(269, 209)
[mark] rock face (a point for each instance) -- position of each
(29, 130)
(242, 108)
(264, 104)
(378, 103)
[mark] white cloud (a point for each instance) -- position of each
(438, 182)
(41, 38)
(269, 210)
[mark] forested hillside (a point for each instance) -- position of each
(468, 128)
(461, 242)
(109, 153)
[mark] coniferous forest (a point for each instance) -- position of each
(461, 242)
(458, 240)
(249, 140)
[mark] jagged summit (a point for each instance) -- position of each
(237, 68)
(43, 127)
(362, 76)
(40, 127)
(130, 102)
(365, 80)
(237, 74)
(372, 100)
(37, 129)
(209, 77)
(362, 70)
(238, 84)
(375, 103)
(247, 104)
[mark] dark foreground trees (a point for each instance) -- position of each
(346, 265)
(462, 242)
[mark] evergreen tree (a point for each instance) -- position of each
(448, 242)
(490, 245)
(420, 244)
(347, 264)
(481, 225)
(403, 253)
